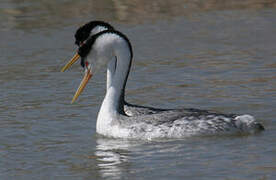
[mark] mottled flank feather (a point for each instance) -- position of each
(182, 123)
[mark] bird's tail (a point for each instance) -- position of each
(248, 123)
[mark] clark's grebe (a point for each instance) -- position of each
(82, 34)
(112, 49)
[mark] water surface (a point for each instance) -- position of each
(209, 55)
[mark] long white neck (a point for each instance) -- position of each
(115, 86)
(117, 73)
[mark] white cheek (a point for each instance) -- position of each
(102, 52)
(101, 63)
(96, 64)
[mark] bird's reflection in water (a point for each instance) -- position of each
(113, 156)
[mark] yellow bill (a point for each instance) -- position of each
(71, 62)
(83, 83)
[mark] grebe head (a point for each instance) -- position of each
(83, 34)
(104, 48)
(89, 29)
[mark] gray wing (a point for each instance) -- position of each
(188, 115)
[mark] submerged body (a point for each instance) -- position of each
(176, 124)
(112, 49)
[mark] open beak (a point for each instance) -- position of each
(71, 62)
(87, 76)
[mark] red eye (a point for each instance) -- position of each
(86, 64)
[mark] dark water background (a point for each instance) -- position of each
(209, 54)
